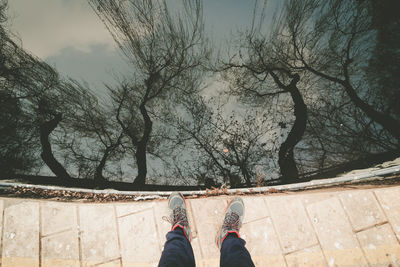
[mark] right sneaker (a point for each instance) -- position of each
(233, 220)
(177, 214)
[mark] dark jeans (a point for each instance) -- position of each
(178, 251)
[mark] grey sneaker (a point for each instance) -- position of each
(233, 220)
(177, 214)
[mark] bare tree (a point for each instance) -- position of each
(225, 144)
(90, 133)
(257, 71)
(333, 40)
(17, 138)
(327, 44)
(15, 153)
(30, 83)
(50, 109)
(338, 132)
(164, 48)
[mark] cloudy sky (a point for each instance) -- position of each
(68, 35)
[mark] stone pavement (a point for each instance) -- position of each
(335, 227)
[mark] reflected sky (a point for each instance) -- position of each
(68, 35)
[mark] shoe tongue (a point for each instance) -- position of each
(177, 202)
(236, 208)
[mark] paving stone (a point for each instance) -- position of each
(389, 199)
(1, 213)
(262, 243)
(255, 208)
(139, 240)
(294, 234)
(99, 239)
(335, 234)
(133, 207)
(195, 238)
(163, 226)
(60, 249)
(100, 246)
(189, 214)
(308, 257)
(57, 217)
(362, 208)
(310, 198)
(1, 218)
(208, 262)
(21, 235)
(270, 260)
(112, 263)
(208, 216)
(380, 246)
(196, 251)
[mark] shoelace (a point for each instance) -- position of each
(231, 221)
(178, 216)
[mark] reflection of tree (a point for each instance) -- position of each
(321, 89)
(17, 149)
(26, 81)
(384, 65)
(39, 108)
(164, 50)
(90, 134)
(260, 74)
(333, 40)
(225, 146)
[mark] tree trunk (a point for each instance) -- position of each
(98, 177)
(47, 153)
(234, 180)
(246, 175)
(141, 162)
(141, 149)
(286, 160)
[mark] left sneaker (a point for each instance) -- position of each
(177, 215)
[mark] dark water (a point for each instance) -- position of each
(284, 92)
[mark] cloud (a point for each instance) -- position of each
(46, 27)
(95, 67)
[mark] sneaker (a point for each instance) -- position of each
(233, 220)
(177, 216)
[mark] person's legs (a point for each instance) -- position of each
(233, 251)
(177, 249)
